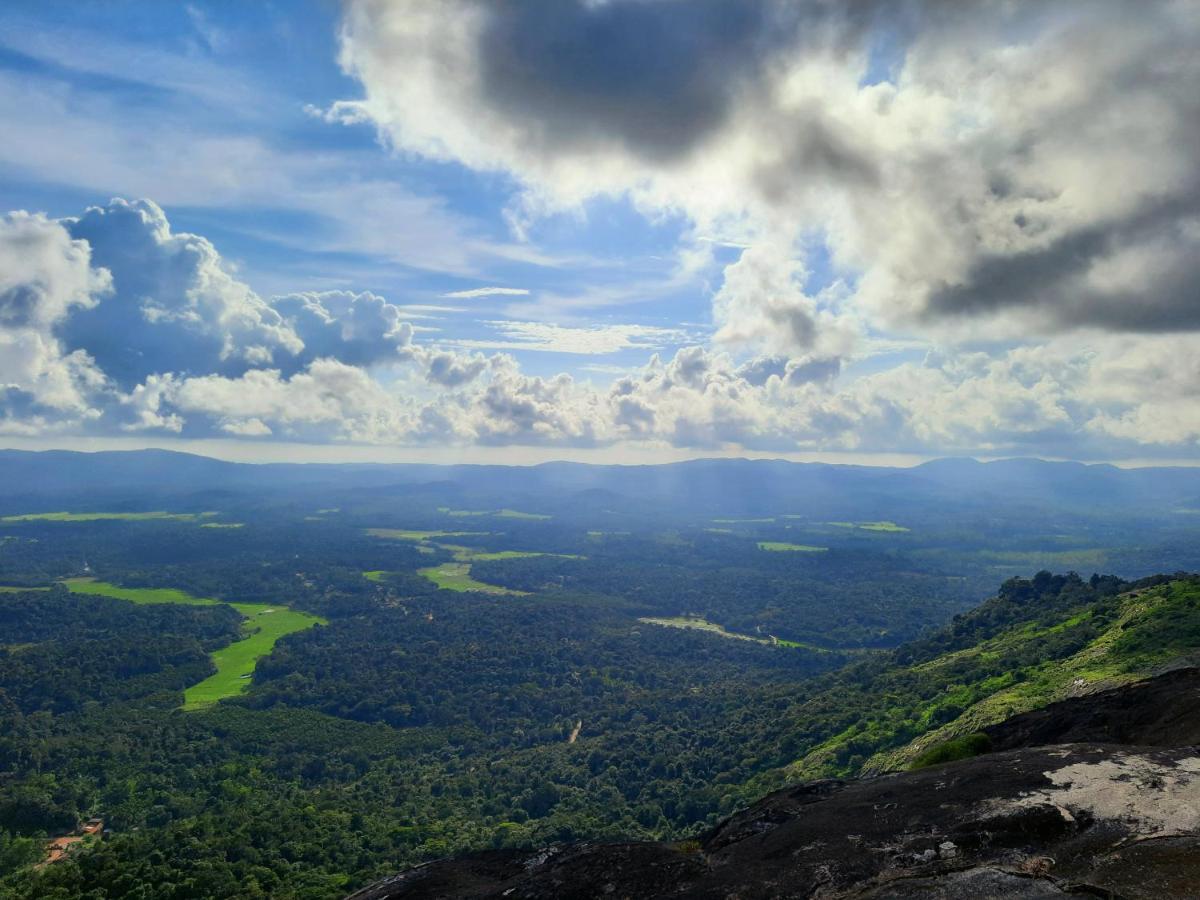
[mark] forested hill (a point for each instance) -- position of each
(981, 801)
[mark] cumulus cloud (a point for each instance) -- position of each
(45, 277)
(359, 329)
(1004, 170)
(174, 307)
(347, 367)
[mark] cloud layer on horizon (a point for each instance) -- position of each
(183, 347)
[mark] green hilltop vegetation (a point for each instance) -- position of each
(235, 663)
(1038, 641)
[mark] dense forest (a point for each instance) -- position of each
(484, 675)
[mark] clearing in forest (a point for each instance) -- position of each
(403, 534)
(456, 576)
(235, 663)
(697, 623)
(499, 513)
(103, 516)
(870, 526)
(782, 547)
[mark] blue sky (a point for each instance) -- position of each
(772, 229)
(251, 72)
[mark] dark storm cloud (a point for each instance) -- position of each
(1058, 280)
(656, 76)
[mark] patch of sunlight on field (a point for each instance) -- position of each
(265, 624)
(782, 547)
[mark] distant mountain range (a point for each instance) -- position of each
(729, 486)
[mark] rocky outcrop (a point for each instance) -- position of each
(1098, 818)
(1158, 712)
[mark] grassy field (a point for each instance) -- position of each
(871, 526)
(223, 525)
(500, 513)
(101, 516)
(401, 534)
(695, 623)
(376, 575)
(135, 595)
(456, 576)
(16, 589)
(235, 664)
(264, 626)
(781, 547)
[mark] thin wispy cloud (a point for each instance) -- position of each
(488, 292)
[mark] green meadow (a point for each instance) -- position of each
(16, 589)
(782, 547)
(265, 624)
(871, 526)
(223, 525)
(101, 516)
(456, 576)
(499, 513)
(402, 534)
(697, 623)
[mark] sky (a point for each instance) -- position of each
(612, 230)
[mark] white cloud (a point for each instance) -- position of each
(594, 340)
(1010, 173)
(343, 367)
(361, 329)
(45, 277)
(174, 306)
(488, 292)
